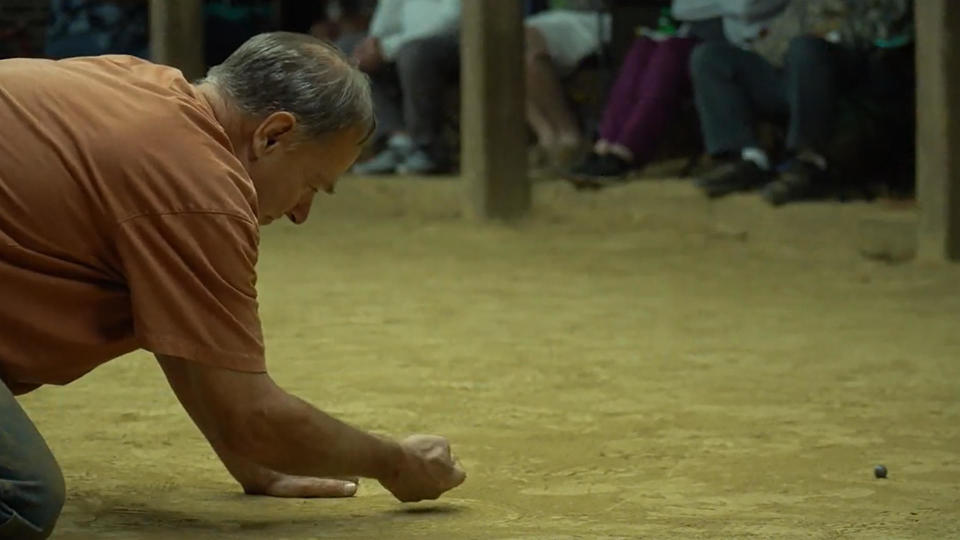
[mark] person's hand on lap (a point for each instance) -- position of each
(368, 55)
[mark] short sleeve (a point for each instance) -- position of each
(192, 281)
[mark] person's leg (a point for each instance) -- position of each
(812, 92)
(731, 88)
(598, 163)
(385, 90)
(31, 485)
(624, 91)
(390, 135)
(547, 108)
(425, 67)
(812, 77)
(663, 83)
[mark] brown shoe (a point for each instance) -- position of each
(801, 180)
(740, 175)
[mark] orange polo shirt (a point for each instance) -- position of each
(126, 222)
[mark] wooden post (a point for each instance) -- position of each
(176, 35)
(938, 128)
(493, 134)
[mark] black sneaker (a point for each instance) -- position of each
(602, 166)
(611, 166)
(800, 181)
(740, 175)
(598, 170)
(587, 164)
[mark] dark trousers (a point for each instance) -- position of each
(733, 88)
(408, 93)
(31, 484)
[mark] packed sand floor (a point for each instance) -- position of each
(634, 362)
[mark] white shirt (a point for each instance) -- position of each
(743, 20)
(398, 22)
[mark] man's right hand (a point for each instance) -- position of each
(426, 470)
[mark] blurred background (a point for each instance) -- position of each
(586, 43)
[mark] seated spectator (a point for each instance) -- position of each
(794, 67)
(557, 41)
(411, 54)
(648, 91)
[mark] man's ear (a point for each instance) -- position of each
(274, 131)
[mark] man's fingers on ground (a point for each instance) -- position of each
(305, 487)
(353, 479)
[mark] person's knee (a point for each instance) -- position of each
(418, 55)
(426, 61)
(535, 46)
(413, 52)
(53, 495)
(806, 49)
(710, 59)
(41, 499)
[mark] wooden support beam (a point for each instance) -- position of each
(938, 128)
(176, 35)
(493, 134)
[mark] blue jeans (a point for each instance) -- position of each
(31, 484)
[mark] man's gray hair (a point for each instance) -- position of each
(300, 74)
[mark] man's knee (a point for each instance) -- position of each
(804, 50)
(37, 500)
(52, 496)
(420, 55)
(711, 59)
(535, 46)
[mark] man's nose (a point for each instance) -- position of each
(300, 212)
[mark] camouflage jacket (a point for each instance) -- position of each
(855, 23)
(864, 23)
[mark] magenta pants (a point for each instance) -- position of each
(652, 82)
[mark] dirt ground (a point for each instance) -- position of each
(636, 362)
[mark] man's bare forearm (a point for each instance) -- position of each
(252, 423)
(252, 477)
(289, 435)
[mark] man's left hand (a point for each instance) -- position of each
(289, 486)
